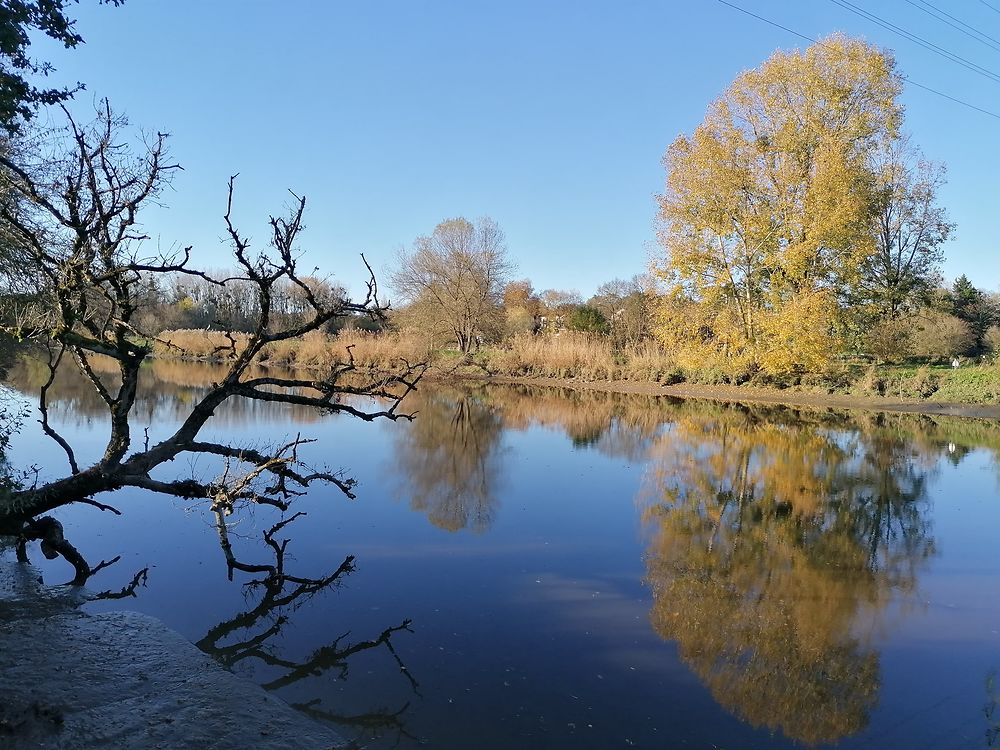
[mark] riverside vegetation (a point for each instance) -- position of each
(585, 356)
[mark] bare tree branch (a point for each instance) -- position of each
(75, 219)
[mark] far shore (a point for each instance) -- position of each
(593, 363)
(749, 394)
(794, 396)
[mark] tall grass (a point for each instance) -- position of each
(578, 355)
(382, 351)
(569, 355)
(566, 355)
(196, 343)
(385, 350)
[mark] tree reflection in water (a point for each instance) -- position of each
(167, 389)
(250, 635)
(771, 544)
(273, 593)
(614, 424)
(449, 458)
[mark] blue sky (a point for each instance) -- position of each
(552, 118)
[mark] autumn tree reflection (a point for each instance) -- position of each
(773, 545)
(617, 425)
(449, 458)
(167, 389)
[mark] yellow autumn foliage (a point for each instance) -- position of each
(799, 334)
(766, 215)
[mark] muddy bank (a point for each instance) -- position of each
(751, 394)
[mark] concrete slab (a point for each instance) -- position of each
(74, 681)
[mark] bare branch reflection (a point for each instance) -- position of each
(990, 712)
(250, 636)
(373, 725)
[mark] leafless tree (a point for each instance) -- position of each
(450, 460)
(559, 302)
(455, 278)
(909, 230)
(628, 306)
(75, 216)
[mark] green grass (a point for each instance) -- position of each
(970, 384)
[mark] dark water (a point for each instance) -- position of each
(588, 570)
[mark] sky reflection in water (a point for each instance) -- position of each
(588, 570)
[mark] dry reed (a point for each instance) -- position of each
(578, 355)
(382, 351)
(566, 355)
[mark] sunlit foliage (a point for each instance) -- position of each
(772, 210)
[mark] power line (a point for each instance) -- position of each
(985, 72)
(991, 7)
(827, 46)
(935, 12)
(951, 98)
(959, 21)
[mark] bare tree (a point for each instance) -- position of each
(559, 302)
(909, 230)
(78, 223)
(628, 306)
(455, 279)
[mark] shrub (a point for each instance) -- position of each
(587, 319)
(939, 336)
(873, 382)
(992, 339)
(891, 340)
(519, 320)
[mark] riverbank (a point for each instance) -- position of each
(582, 361)
(750, 394)
(970, 391)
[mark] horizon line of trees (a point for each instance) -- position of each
(962, 320)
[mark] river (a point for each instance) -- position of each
(581, 569)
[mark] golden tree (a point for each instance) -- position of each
(766, 216)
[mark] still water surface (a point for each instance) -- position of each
(586, 570)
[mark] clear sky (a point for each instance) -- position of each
(550, 117)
